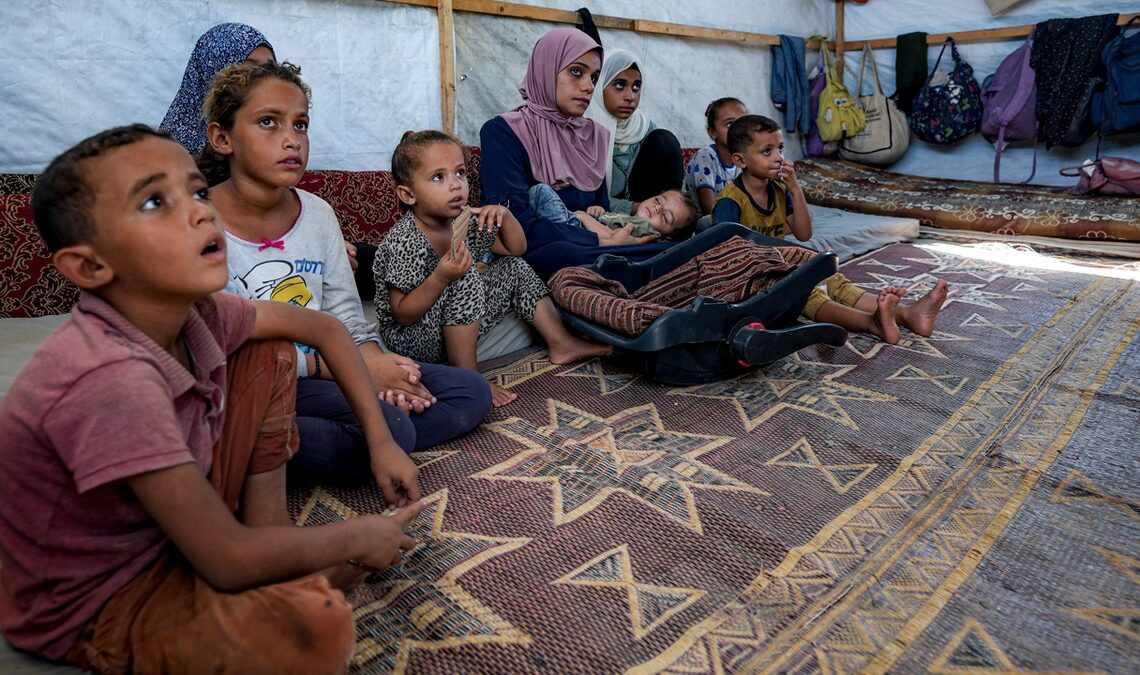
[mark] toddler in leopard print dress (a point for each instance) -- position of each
(432, 300)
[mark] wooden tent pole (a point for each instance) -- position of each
(839, 39)
(446, 16)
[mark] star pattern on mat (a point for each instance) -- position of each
(793, 383)
(1077, 489)
(609, 382)
(586, 458)
(951, 384)
(1012, 330)
(420, 603)
(649, 605)
(972, 650)
(524, 369)
(1123, 620)
(1126, 565)
(871, 262)
(972, 294)
(841, 477)
(982, 270)
(867, 346)
(915, 286)
(423, 458)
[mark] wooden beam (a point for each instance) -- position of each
(983, 35)
(701, 33)
(447, 64)
(520, 11)
(839, 36)
(418, 3)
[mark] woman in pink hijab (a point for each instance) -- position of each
(548, 140)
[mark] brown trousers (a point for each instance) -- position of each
(169, 620)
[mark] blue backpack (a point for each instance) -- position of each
(1117, 108)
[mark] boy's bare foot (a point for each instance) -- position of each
(919, 316)
(574, 349)
(884, 321)
(500, 396)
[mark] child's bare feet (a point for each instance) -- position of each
(884, 321)
(501, 396)
(919, 317)
(571, 349)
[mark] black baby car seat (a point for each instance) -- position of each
(712, 339)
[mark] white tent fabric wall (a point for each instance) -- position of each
(70, 68)
(973, 158)
(682, 75)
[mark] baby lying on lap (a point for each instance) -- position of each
(670, 214)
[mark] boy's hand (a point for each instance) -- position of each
(387, 541)
(786, 173)
(396, 475)
(595, 211)
(450, 269)
(490, 217)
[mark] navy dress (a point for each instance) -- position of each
(506, 178)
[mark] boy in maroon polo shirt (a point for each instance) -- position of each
(143, 525)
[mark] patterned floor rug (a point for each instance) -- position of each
(968, 502)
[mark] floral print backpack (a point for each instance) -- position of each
(948, 108)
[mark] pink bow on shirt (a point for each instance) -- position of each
(265, 243)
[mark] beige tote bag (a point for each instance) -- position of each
(886, 136)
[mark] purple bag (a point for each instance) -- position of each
(1009, 105)
(816, 147)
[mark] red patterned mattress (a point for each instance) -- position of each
(968, 205)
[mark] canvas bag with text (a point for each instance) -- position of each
(886, 135)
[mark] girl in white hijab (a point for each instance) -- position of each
(643, 161)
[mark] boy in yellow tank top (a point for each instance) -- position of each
(766, 197)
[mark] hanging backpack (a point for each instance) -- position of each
(886, 136)
(1116, 110)
(817, 80)
(948, 108)
(839, 114)
(1009, 105)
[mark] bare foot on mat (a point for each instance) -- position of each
(501, 396)
(574, 349)
(920, 316)
(884, 321)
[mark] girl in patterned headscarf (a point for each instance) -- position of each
(643, 161)
(222, 45)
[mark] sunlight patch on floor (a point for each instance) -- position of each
(1019, 255)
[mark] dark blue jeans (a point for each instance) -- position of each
(333, 449)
